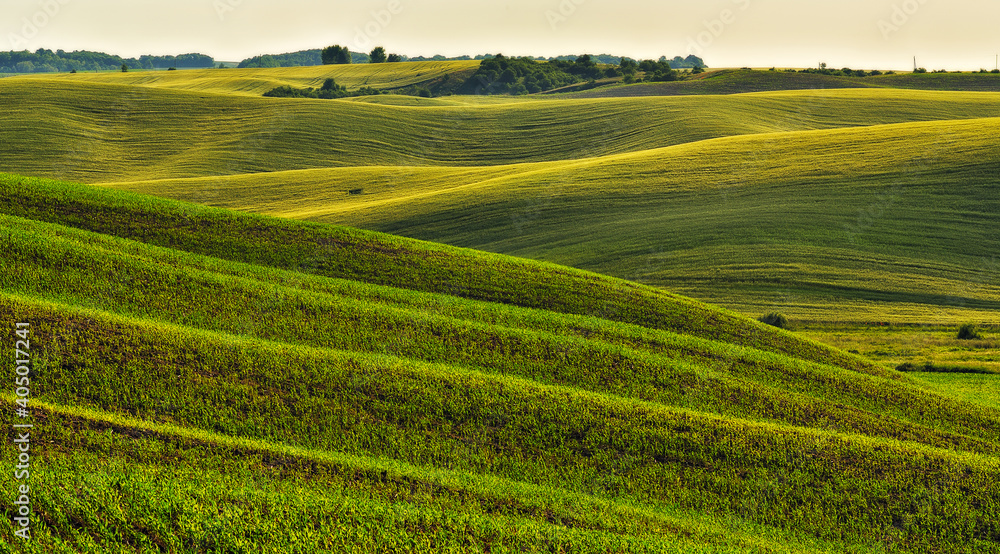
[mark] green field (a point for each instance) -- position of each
(230, 355)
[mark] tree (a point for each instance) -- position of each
(336, 55)
(393, 58)
(378, 55)
(124, 68)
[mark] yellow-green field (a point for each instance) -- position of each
(233, 357)
(880, 223)
(255, 82)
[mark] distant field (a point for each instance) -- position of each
(255, 82)
(971, 387)
(731, 81)
(99, 132)
(806, 223)
(874, 215)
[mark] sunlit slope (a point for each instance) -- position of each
(215, 351)
(394, 261)
(96, 132)
(826, 224)
(255, 82)
(589, 353)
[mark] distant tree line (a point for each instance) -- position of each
(47, 61)
(296, 59)
(677, 62)
(842, 72)
(502, 75)
(291, 59)
(314, 57)
(329, 90)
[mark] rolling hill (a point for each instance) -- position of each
(879, 223)
(741, 81)
(656, 189)
(255, 82)
(100, 132)
(204, 378)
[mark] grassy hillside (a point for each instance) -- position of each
(882, 223)
(99, 132)
(732, 81)
(203, 376)
(657, 189)
(255, 82)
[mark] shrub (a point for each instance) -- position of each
(969, 331)
(775, 319)
(995, 71)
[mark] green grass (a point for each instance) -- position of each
(981, 388)
(874, 184)
(105, 132)
(333, 500)
(698, 430)
(881, 223)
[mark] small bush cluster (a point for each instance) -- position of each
(969, 331)
(329, 90)
(842, 72)
(775, 319)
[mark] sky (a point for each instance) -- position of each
(868, 34)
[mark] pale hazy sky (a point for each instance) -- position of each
(951, 34)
